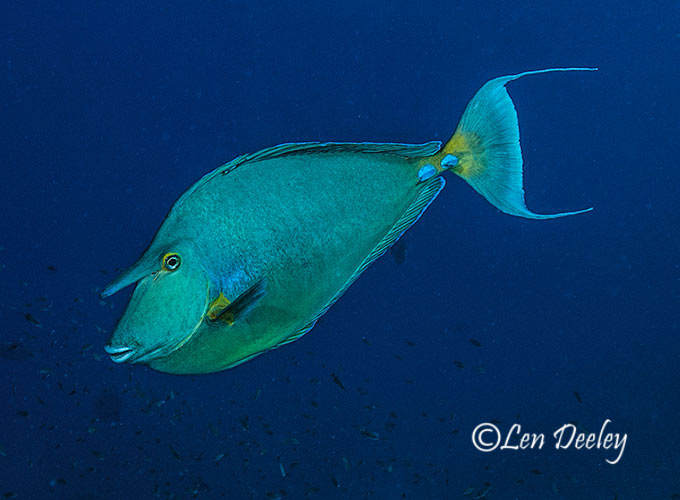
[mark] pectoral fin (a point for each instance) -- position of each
(222, 309)
(217, 307)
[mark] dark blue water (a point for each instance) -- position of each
(110, 110)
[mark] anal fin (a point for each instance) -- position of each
(297, 334)
(428, 192)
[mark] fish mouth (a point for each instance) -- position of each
(119, 354)
(122, 354)
(146, 356)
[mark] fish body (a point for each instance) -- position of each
(303, 222)
(256, 251)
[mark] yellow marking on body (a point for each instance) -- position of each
(467, 148)
(217, 306)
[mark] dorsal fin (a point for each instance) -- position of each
(428, 192)
(300, 148)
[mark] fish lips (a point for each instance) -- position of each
(119, 354)
(123, 354)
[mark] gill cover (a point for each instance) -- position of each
(167, 305)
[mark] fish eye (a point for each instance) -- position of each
(171, 261)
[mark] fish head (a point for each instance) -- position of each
(167, 306)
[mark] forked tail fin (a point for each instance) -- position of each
(485, 149)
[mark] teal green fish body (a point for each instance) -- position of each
(256, 251)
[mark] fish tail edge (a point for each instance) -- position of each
(485, 149)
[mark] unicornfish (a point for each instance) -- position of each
(251, 255)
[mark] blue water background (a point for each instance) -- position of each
(110, 110)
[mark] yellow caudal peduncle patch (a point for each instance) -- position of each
(217, 307)
(466, 149)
